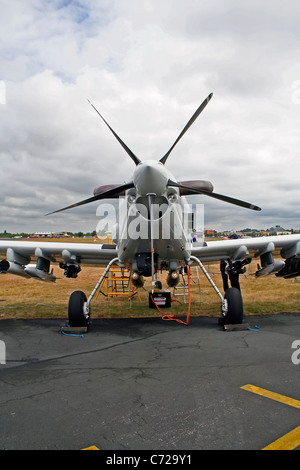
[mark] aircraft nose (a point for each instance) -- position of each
(150, 178)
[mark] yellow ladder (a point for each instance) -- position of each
(117, 283)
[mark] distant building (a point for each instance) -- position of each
(278, 230)
(210, 233)
(49, 234)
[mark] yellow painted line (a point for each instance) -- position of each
(91, 448)
(289, 441)
(272, 395)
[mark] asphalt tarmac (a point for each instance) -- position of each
(132, 384)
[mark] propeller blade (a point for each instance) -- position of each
(193, 118)
(230, 200)
(130, 153)
(104, 195)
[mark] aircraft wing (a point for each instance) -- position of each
(286, 246)
(84, 252)
(18, 254)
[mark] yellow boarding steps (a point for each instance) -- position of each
(117, 283)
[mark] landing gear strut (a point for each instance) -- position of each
(223, 300)
(79, 305)
(232, 302)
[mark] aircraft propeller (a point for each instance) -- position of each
(193, 119)
(119, 189)
(221, 197)
(130, 153)
(104, 195)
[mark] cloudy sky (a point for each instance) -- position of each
(147, 65)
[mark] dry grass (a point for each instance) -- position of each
(29, 298)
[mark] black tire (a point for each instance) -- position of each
(235, 311)
(76, 309)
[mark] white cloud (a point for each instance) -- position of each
(148, 65)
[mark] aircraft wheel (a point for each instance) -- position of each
(76, 310)
(234, 306)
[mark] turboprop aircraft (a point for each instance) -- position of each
(154, 234)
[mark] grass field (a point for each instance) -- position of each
(29, 298)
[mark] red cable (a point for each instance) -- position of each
(171, 317)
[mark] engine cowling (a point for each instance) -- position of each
(108, 187)
(198, 185)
